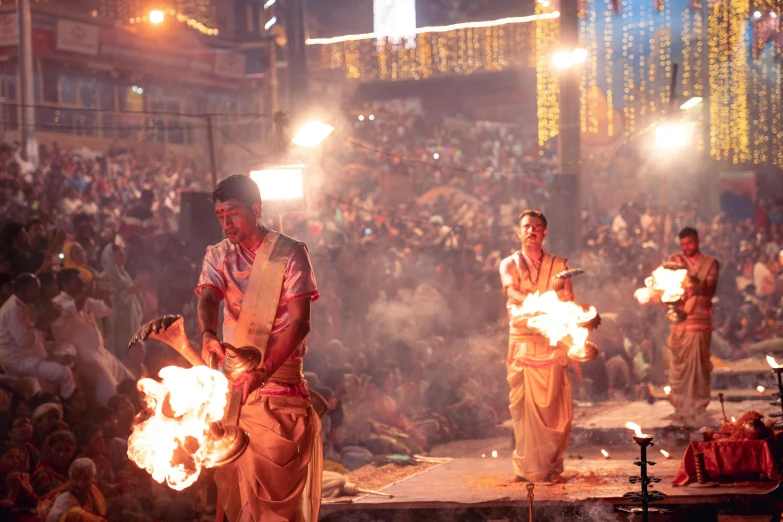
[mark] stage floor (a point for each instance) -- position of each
(472, 478)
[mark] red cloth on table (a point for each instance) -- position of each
(729, 461)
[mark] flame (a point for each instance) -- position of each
(760, 389)
(175, 447)
(772, 362)
(734, 419)
(665, 454)
(605, 453)
(667, 389)
(665, 283)
(494, 454)
(556, 319)
(636, 428)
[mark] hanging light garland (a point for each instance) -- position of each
(608, 15)
(728, 77)
(196, 14)
(546, 37)
(462, 49)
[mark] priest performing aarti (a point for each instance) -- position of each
(265, 283)
(547, 331)
(689, 340)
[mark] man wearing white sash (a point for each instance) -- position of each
(266, 284)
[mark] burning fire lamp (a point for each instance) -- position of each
(606, 454)
(182, 432)
(667, 283)
(645, 496)
(563, 322)
(777, 369)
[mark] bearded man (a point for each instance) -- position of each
(266, 284)
(540, 398)
(689, 341)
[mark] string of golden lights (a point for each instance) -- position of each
(546, 36)
(744, 105)
(196, 14)
(462, 51)
(436, 29)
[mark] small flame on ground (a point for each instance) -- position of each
(175, 446)
(772, 362)
(556, 319)
(664, 283)
(665, 454)
(494, 454)
(760, 389)
(667, 389)
(605, 453)
(483, 455)
(734, 419)
(636, 428)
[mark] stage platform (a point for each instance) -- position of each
(472, 485)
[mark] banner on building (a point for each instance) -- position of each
(77, 37)
(230, 65)
(9, 31)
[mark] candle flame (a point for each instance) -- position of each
(667, 390)
(175, 445)
(665, 453)
(494, 454)
(760, 389)
(556, 319)
(734, 419)
(772, 362)
(664, 283)
(636, 428)
(483, 455)
(605, 453)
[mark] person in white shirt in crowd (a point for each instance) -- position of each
(22, 349)
(77, 326)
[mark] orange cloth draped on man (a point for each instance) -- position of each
(689, 341)
(540, 397)
(266, 284)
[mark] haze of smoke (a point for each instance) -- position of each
(416, 314)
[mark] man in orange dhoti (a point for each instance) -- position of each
(540, 397)
(689, 341)
(266, 284)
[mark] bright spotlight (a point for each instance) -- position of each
(757, 15)
(773, 15)
(269, 3)
(279, 183)
(693, 102)
(312, 133)
(436, 156)
(672, 136)
(361, 117)
(272, 21)
(372, 117)
(157, 16)
(562, 60)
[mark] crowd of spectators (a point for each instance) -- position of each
(406, 231)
